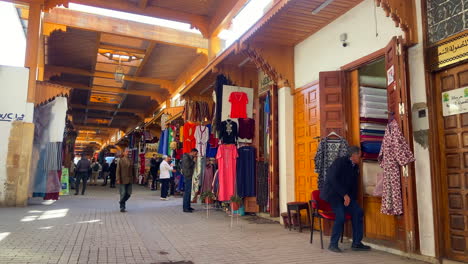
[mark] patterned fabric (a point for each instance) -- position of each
(328, 151)
(197, 173)
(395, 152)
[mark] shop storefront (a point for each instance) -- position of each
(447, 69)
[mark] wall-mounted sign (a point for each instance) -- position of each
(449, 52)
(455, 102)
(390, 75)
(265, 82)
(9, 117)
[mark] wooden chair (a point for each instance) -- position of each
(322, 210)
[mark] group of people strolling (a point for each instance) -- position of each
(86, 170)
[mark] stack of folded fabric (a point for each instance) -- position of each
(373, 112)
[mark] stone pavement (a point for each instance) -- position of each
(90, 229)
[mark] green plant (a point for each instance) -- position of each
(236, 199)
(207, 194)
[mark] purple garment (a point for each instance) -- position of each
(246, 128)
(208, 178)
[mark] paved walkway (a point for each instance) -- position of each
(90, 229)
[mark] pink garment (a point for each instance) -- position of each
(395, 152)
(227, 159)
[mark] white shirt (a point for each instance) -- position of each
(164, 170)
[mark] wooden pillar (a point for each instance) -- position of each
(32, 46)
(214, 46)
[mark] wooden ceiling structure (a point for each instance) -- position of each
(168, 61)
(83, 51)
(269, 44)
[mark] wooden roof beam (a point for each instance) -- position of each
(191, 70)
(166, 84)
(104, 24)
(121, 48)
(153, 95)
(89, 127)
(224, 15)
(103, 107)
(195, 21)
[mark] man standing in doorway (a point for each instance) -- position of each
(165, 176)
(188, 165)
(83, 169)
(124, 179)
(340, 190)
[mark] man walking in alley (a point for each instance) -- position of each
(340, 190)
(165, 176)
(124, 179)
(83, 169)
(188, 165)
(113, 172)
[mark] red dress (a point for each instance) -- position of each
(227, 161)
(189, 137)
(239, 101)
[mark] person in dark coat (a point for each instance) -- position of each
(125, 179)
(83, 170)
(112, 173)
(105, 172)
(340, 190)
(188, 166)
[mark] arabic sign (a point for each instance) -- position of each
(9, 117)
(450, 52)
(455, 102)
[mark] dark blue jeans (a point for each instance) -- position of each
(357, 215)
(187, 193)
(125, 193)
(83, 177)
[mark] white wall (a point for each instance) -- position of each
(323, 51)
(423, 161)
(286, 147)
(13, 96)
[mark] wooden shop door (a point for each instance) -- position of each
(306, 135)
(406, 236)
(453, 147)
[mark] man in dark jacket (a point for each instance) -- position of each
(188, 165)
(340, 190)
(124, 179)
(83, 169)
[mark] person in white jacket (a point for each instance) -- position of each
(165, 175)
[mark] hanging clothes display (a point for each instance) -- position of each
(212, 146)
(49, 121)
(228, 132)
(246, 172)
(329, 149)
(395, 152)
(164, 119)
(197, 175)
(208, 177)
(197, 111)
(189, 137)
(202, 135)
(169, 140)
(221, 80)
(239, 101)
(246, 128)
(227, 160)
(266, 110)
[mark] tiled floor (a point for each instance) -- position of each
(90, 229)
